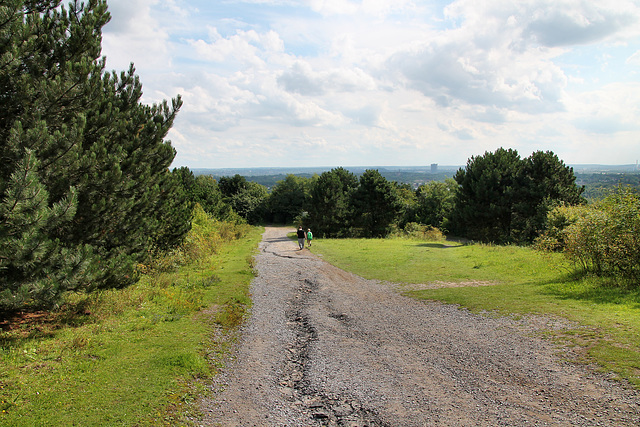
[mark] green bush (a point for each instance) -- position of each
(207, 235)
(558, 219)
(603, 238)
(414, 230)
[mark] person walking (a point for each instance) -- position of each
(301, 237)
(309, 237)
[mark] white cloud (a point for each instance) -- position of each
(133, 35)
(383, 82)
(634, 59)
(578, 22)
(245, 48)
(460, 72)
(503, 54)
(612, 109)
(377, 8)
(550, 22)
(300, 78)
(334, 7)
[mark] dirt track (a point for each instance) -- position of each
(325, 347)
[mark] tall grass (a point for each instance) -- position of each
(134, 356)
(523, 281)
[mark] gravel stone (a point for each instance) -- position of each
(324, 347)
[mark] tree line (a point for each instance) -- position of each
(498, 197)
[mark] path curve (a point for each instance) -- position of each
(324, 347)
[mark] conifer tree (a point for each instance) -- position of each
(34, 265)
(503, 198)
(543, 182)
(330, 212)
(376, 204)
(84, 179)
(485, 196)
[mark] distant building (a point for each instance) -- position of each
(434, 168)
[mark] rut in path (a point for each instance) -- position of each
(326, 347)
(327, 410)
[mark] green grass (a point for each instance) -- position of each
(132, 357)
(413, 261)
(526, 282)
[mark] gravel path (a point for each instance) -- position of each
(324, 347)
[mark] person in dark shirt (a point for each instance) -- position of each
(301, 237)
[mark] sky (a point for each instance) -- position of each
(326, 83)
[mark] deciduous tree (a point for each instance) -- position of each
(435, 201)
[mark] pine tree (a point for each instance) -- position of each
(503, 198)
(34, 266)
(78, 138)
(376, 205)
(485, 196)
(330, 204)
(544, 182)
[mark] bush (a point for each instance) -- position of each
(603, 238)
(413, 230)
(558, 219)
(207, 235)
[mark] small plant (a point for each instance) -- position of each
(231, 314)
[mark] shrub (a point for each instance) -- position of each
(558, 219)
(205, 238)
(603, 238)
(414, 230)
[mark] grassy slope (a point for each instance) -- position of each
(527, 282)
(130, 356)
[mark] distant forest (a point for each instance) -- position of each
(599, 185)
(269, 177)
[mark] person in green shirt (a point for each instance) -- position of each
(309, 237)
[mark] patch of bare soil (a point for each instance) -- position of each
(437, 284)
(324, 347)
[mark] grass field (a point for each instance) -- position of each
(131, 357)
(526, 282)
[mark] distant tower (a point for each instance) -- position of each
(434, 168)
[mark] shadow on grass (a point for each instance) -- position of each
(21, 327)
(437, 245)
(597, 290)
